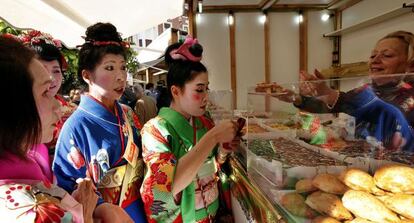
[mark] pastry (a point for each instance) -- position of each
(402, 204)
(365, 205)
(295, 204)
(305, 185)
(359, 220)
(360, 180)
(395, 178)
(329, 183)
(325, 219)
(328, 204)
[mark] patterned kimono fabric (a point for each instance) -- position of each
(104, 146)
(26, 192)
(165, 140)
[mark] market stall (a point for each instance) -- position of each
(296, 166)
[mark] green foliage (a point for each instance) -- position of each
(132, 61)
(70, 76)
(6, 28)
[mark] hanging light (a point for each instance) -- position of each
(299, 18)
(325, 17)
(200, 6)
(263, 18)
(230, 19)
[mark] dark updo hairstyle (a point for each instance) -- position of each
(91, 53)
(20, 127)
(48, 52)
(182, 71)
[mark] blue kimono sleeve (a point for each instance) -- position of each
(70, 162)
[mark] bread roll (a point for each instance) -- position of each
(329, 183)
(325, 219)
(295, 204)
(402, 204)
(360, 220)
(305, 185)
(357, 179)
(328, 204)
(395, 178)
(365, 205)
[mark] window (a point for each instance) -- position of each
(148, 42)
(140, 42)
(185, 28)
(167, 25)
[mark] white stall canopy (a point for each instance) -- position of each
(67, 20)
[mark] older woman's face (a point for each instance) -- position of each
(47, 105)
(388, 57)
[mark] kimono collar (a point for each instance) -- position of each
(92, 107)
(179, 122)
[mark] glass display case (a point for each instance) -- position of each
(220, 104)
(320, 152)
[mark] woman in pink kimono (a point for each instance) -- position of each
(26, 190)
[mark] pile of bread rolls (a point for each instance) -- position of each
(355, 196)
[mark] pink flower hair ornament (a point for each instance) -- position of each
(183, 52)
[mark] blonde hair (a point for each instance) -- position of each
(407, 38)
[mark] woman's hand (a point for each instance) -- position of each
(107, 212)
(313, 84)
(225, 131)
(286, 95)
(85, 195)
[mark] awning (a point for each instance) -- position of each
(156, 48)
(67, 20)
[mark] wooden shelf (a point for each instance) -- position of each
(372, 21)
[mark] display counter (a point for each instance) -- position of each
(251, 198)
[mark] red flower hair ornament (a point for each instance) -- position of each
(35, 37)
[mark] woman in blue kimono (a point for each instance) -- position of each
(101, 138)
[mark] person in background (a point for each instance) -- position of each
(25, 177)
(150, 91)
(148, 88)
(49, 54)
(163, 99)
(101, 139)
(128, 97)
(145, 107)
(383, 109)
(180, 145)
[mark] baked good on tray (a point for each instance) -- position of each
(328, 204)
(325, 219)
(402, 204)
(365, 205)
(295, 204)
(329, 183)
(304, 186)
(395, 178)
(359, 220)
(269, 88)
(360, 180)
